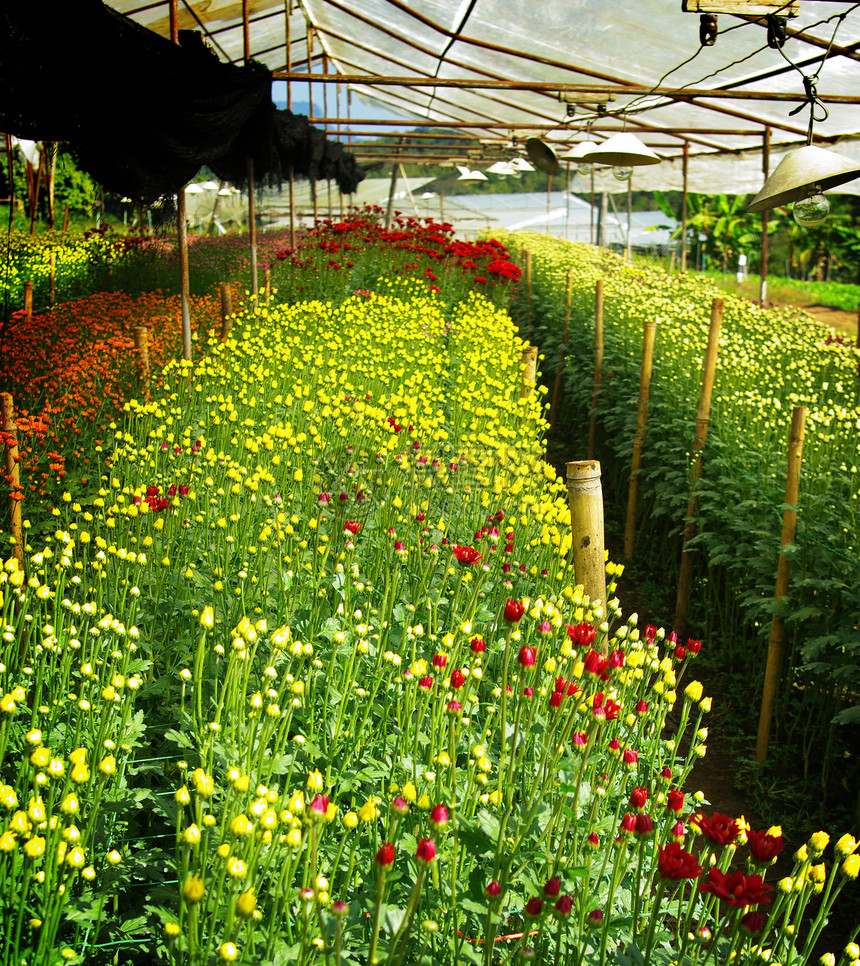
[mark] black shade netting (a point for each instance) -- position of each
(142, 114)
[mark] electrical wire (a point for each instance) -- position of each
(636, 106)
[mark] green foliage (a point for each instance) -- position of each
(768, 362)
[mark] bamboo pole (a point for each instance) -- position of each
(585, 496)
(765, 165)
(649, 335)
(13, 473)
(184, 284)
(527, 256)
(141, 348)
(226, 310)
(568, 294)
(28, 300)
(65, 219)
(598, 365)
(685, 165)
(52, 259)
(529, 371)
(268, 283)
(702, 417)
(777, 625)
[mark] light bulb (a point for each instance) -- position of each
(622, 173)
(812, 211)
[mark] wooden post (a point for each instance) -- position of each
(389, 211)
(527, 256)
(598, 365)
(252, 227)
(765, 164)
(13, 473)
(585, 496)
(777, 625)
(685, 165)
(65, 219)
(649, 335)
(184, 285)
(141, 347)
(52, 259)
(568, 293)
(529, 374)
(28, 300)
(226, 310)
(702, 417)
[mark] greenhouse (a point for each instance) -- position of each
(431, 505)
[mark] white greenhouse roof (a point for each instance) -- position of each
(499, 66)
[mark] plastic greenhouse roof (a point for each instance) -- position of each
(668, 89)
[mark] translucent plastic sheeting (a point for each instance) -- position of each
(593, 43)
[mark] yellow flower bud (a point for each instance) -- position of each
(693, 691)
(193, 889)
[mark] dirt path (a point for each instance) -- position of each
(837, 318)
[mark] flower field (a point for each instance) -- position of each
(301, 672)
(769, 361)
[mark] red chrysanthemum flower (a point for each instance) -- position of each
(675, 864)
(466, 555)
(737, 889)
(719, 829)
(764, 848)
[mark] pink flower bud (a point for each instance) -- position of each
(564, 906)
(439, 817)
(426, 851)
(534, 907)
(493, 889)
(385, 856)
(514, 611)
(552, 887)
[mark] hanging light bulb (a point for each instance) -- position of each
(812, 211)
(801, 174)
(578, 153)
(622, 172)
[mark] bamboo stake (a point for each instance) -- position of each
(65, 219)
(13, 473)
(268, 276)
(184, 283)
(28, 300)
(777, 625)
(585, 496)
(857, 340)
(568, 294)
(52, 257)
(529, 373)
(702, 417)
(226, 310)
(527, 255)
(598, 365)
(649, 336)
(141, 347)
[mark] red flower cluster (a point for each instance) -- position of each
(719, 829)
(674, 864)
(737, 889)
